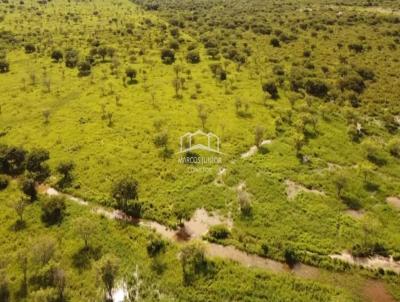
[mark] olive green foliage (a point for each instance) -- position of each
(95, 90)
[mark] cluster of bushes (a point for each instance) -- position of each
(219, 232)
(218, 71)
(369, 249)
(72, 58)
(15, 160)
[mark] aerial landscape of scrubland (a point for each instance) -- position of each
(199, 150)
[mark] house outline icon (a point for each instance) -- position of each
(190, 136)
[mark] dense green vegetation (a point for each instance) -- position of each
(96, 94)
(65, 259)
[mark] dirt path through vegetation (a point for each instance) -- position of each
(292, 189)
(254, 149)
(375, 291)
(394, 201)
(376, 262)
(199, 224)
(195, 228)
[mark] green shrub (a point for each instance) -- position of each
(375, 154)
(173, 44)
(167, 56)
(291, 257)
(156, 246)
(131, 73)
(366, 73)
(53, 209)
(12, 160)
(125, 189)
(57, 55)
(4, 288)
(71, 58)
(4, 66)
(213, 53)
(3, 182)
(28, 187)
(394, 148)
(369, 249)
(351, 201)
(193, 57)
(84, 68)
(30, 48)
(65, 168)
(265, 248)
(219, 232)
(391, 123)
(271, 88)
(275, 42)
(356, 47)
(134, 208)
(35, 163)
(316, 88)
(352, 82)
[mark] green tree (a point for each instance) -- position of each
(35, 163)
(193, 261)
(84, 68)
(28, 187)
(131, 73)
(275, 42)
(53, 209)
(12, 160)
(202, 114)
(125, 193)
(19, 206)
(193, 57)
(108, 269)
(4, 66)
(340, 183)
(102, 51)
(4, 288)
(65, 168)
(291, 258)
(43, 250)
(71, 58)
(258, 135)
(271, 88)
(3, 182)
(394, 148)
(84, 228)
(57, 55)
(245, 203)
(156, 246)
(59, 282)
(30, 48)
(168, 56)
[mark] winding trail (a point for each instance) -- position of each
(195, 228)
(201, 221)
(199, 224)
